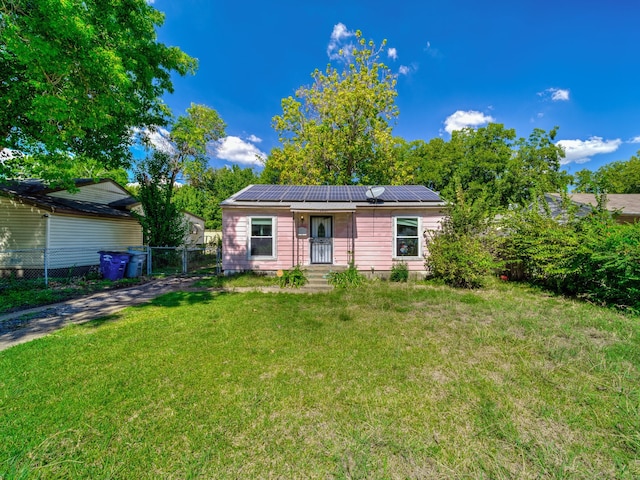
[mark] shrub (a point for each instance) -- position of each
(348, 278)
(294, 277)
(462, 261)
(592, 257)
(461, 253)
(399, 272)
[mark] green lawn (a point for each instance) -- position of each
(386, 381)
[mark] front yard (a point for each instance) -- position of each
(386, 381)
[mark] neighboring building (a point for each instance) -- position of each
(625, 206)
(274, 227)
(72, 226)
(195, 234)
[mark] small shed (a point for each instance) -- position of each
(274, 227)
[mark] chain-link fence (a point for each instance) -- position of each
(41, 266)
(170, 260)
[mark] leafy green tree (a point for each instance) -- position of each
(534, 169)
(215, 185)
(337, 130)
(77, 75)
(219, 184)
(67, 169)
(490, 164)
(183, 156)
(162, 221)
(615, 177)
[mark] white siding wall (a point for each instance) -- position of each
(83, 237)
(21, 226)
(100, 193)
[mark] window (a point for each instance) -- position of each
(261, 239)
(407, 239)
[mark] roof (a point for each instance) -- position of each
(333, 197)
(36, 193)
(626, 203)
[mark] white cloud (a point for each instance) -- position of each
(556, 94)
(254, 139)
(237, 150)
(338, 42)
(462, 119)
(404, 70)
(635, 139)
(581, 151)
(392, 53)
(157, 138)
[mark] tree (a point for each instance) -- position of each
(615, 177)
(215, 185)
(162, 221)
(490, 164)
(337, 130)
(183, 155)
(77, 75)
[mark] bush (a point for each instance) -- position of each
(592, 257)
(348, 278)
(462, 261)
(294, 277)
(461, 254)
(399, 272)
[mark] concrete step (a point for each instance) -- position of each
(317, 276)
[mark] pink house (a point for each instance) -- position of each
(275, 227)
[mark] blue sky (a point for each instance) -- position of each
(526, 64)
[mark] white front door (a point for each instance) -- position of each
(321, 240)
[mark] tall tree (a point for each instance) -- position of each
(216, 184)
(77, 75)
(615, 177)
(337, 130)
(491, 164)
(182, 154)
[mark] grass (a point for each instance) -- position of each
(384, 381)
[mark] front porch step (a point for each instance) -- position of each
(317, 276)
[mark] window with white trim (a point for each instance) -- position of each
(406, 237)
(261, 237)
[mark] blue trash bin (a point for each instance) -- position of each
(113, 264)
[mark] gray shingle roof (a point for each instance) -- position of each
(35, 192)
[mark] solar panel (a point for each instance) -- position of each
(339, 194)
(252, 192)
(293, 194)
(317, 193)
(335, 193)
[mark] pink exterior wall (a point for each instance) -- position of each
(373, 243)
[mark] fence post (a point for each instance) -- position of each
(46, 267)
(149, 269)
(184, 260)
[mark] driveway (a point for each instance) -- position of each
(25, 325)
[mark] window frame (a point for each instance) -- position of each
(395, 255)
(250, 236)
